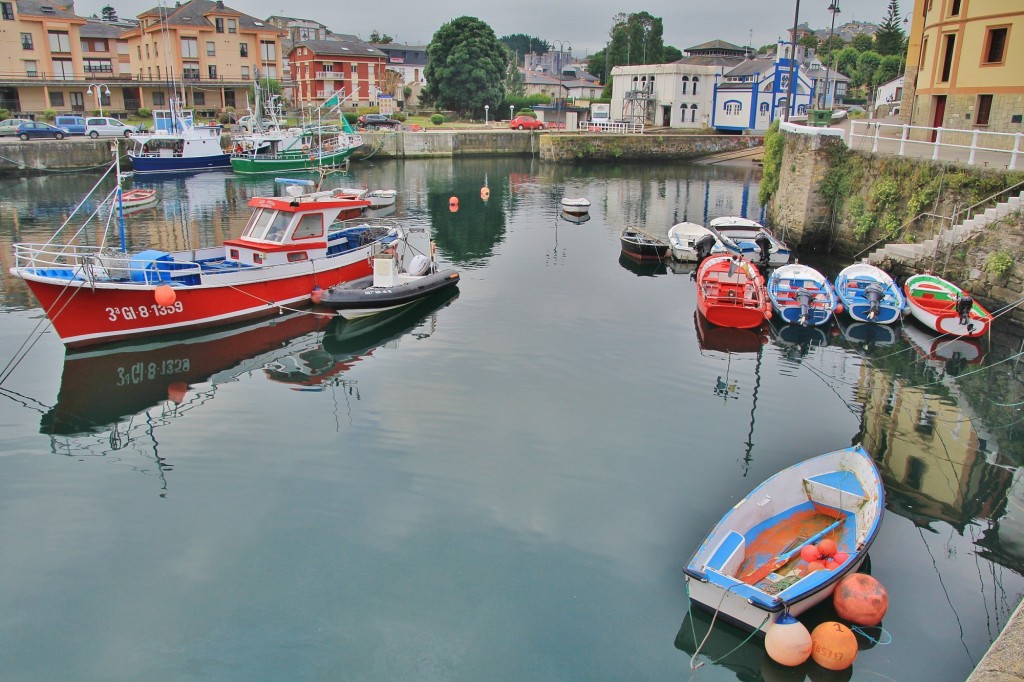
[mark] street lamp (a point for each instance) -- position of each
(562, 44)
(791, 89)
(834, 9)
(94, 89)
(487, 107)
(511, 111)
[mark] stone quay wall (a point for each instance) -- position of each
(646, 147)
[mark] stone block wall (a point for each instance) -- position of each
(798, 209)
(573, 147)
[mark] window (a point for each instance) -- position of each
(693, 113)
(311, 225)
(60, 42)
(686, 84)
(732, 107)
(31, 68)
(954, 8)
(7, 9)
(211, 71)
(229, 98)
(190, 70)
(995, 45)
(56, 99)
(97, 66)
(63, 69)
(982, 110)
(211, 49)
(139, 49)
(158, 98)
(243, 49)
(947, 58)
(763, 108)
(245, 72)
(199, 98)
(147, 51)
(268, 51)
(695, 81)
(218, 25)
(189, 48)
(26, 41)
(232, 26)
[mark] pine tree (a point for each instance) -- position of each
(108, 13)
(889, 38)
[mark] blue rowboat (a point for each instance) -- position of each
(801, 295)
(869, 294)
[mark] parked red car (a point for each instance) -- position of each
(525, 123)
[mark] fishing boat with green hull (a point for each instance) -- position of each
(944, 307)
(314, 152)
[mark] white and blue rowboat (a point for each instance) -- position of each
(801, 295)
(753, 240)
(749, 570)
(683, 239)
(869, 294)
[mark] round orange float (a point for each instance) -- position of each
(176, 391)
(861, 599)
(164, 295)
(828, 547)
(833, 646)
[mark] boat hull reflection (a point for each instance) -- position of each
(100, 387)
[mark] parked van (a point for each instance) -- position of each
(75, 125)
(103, 126)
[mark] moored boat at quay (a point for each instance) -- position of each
(291, 249)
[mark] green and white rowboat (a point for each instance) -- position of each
(933, 302)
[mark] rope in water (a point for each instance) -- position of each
(694, 666)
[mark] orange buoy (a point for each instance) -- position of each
(833, 646)
(787, 641)
(453, 201)
(316, 295)
(176, 391)
(840, 557)
(861, 599)
(164, 295)
(485, 193)
(815, 566)
(828, 547)
(809, 553)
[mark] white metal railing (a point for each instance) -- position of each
(94, 263)
(978, 146)
(328, 75)
(611, 127)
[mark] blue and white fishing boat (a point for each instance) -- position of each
(753, 240)
(869, 294)
(801, 295)
(176, 144)
(749, 569)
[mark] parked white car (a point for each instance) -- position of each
(103, 126)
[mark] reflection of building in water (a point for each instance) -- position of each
(933, 458)
(667, 201)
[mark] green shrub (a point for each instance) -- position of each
(4, 113)
(998, 263)
(49, 114)
(400, 116)
(143, 112)
(771, 163)
(437, 119)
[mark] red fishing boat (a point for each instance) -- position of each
(731, 292)
(292, 248)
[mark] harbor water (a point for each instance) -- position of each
(501, 484)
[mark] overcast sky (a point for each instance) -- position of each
(583, 25)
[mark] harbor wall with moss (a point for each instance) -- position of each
(826, 197)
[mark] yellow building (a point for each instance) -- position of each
(965, 65)
(50, 58)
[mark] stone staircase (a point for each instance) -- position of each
(951, 236)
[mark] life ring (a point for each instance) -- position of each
(305, 148)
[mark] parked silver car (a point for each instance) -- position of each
(104, 126)
(9, 126)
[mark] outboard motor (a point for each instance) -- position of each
(804, 298)
(703, 247)
(765, 245)
(964, 303)
(874, 293)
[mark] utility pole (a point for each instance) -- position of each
(792, 64)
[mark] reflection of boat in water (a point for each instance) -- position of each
(345, 342)
(796, 339)
(726, 647)
(728, 339)
(643, 268)
(869, 334)
(577, 218)
(100, 387)
(944, 348)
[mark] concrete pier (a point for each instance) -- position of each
(1004, 661)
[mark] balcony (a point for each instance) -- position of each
(329, 75)
(37, 78)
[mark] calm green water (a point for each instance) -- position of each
(501, 485)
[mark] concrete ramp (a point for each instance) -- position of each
(754, 154)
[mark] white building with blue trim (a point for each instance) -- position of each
(756, 92)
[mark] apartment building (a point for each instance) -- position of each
(202, 50)
(963, 69)
(346, 66)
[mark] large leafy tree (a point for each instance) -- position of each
(889, 37)
(635, 39)
(380, 39)
(597, 66)
(862, 42)
(867, 64)
(515, 83)
(520, 44)
(845, 61)
(671, 54)
(888, 69)
(466, 66)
